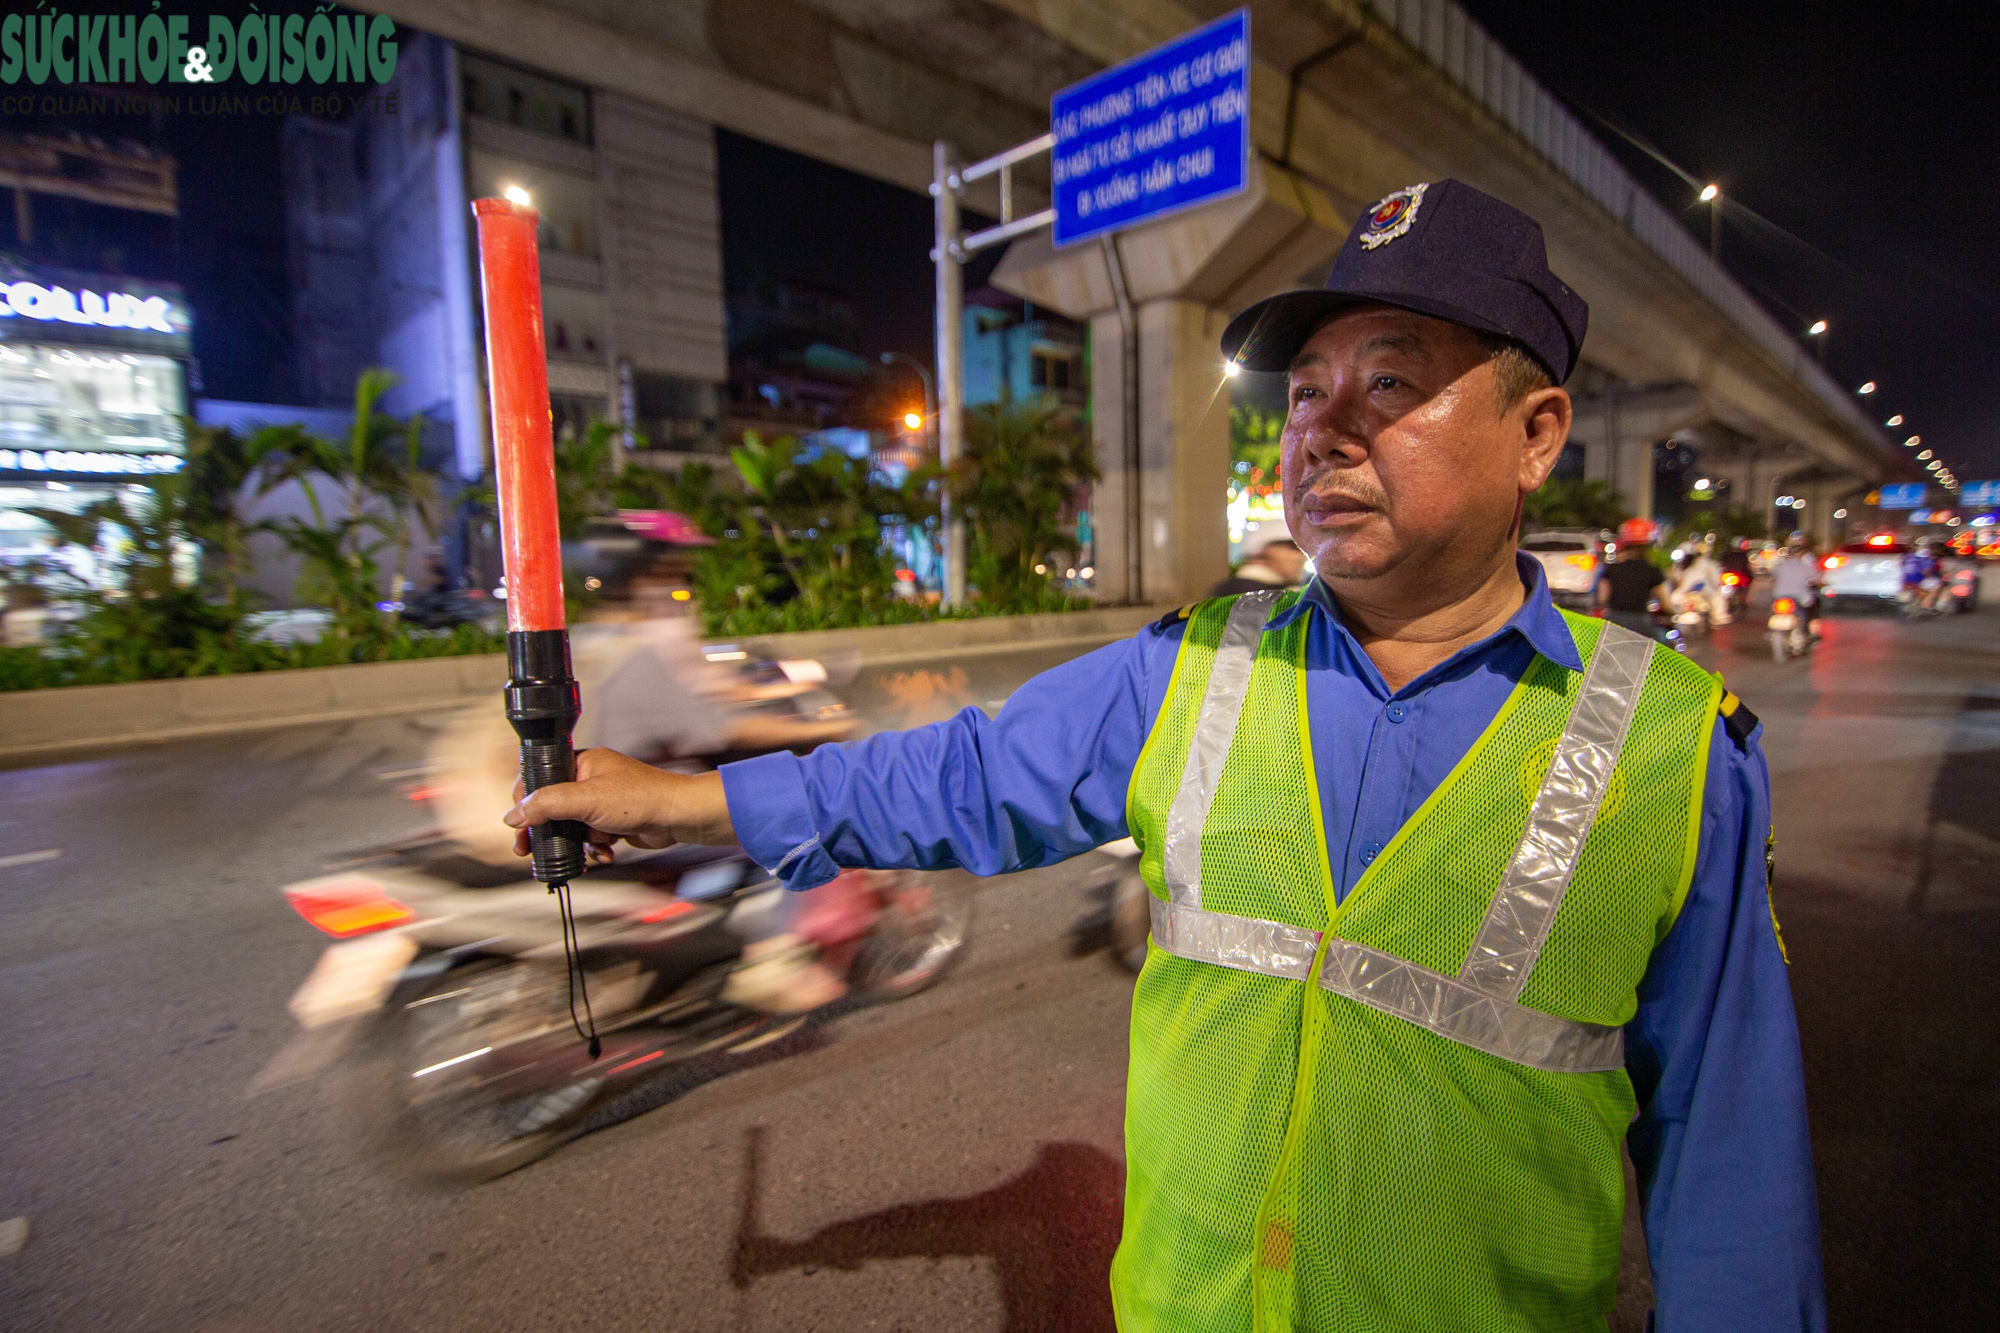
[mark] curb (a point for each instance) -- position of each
(42, 724)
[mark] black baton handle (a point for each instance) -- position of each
(543, 705)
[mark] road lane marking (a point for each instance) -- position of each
(455, 1060)
(29, 858)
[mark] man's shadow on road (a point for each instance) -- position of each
(1049, 1231)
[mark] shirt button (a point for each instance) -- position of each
(1397, 712)
(1370, 852)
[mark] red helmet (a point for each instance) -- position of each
(1634, 531)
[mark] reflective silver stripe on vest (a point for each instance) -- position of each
(1242, 942)
(1524, 905)
(1450, 1008)
(1394, 986)
(1214, 729)
(1478, 1008)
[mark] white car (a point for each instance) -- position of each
(1570, 559)
(1865, 573)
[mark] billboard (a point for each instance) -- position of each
(1979, 495)
(1164, 131)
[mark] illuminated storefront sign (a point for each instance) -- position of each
(88, 461)
(112, 310)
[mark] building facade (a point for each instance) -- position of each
(95, 359)
(384, 269)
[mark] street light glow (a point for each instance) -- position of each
(1708, 193)
(1230, 370)
(1896, 420)
(1913, 441)
(1819, 327)
(1869, 387)
(516, 195)
(913, 421)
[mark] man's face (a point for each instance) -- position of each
(1397, 460)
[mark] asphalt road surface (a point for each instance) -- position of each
(952, 1161)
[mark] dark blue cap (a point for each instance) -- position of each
(1442, 249)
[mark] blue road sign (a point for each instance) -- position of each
(1979, 495)
(1903, 495)
(1163, 131)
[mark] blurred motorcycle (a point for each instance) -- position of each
(449, 990)
(1695, 610)
(1962, 588)
(1787, 631)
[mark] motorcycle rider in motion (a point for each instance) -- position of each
(647, 692)
(1629, 588)
(1386, 1049)
(1796, 574)
(1923, 576)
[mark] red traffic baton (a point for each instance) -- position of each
(541, 693)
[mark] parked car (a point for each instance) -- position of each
(1570, 559)
(1863, 573)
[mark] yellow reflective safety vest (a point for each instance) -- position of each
(1403, 1111)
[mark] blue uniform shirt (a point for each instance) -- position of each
(1724, 1163)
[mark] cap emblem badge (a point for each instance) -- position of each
(1392, 217)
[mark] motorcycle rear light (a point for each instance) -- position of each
(1583, 561)
(1833, 562)
(1784, 606)
(666, 913)
(1881, 540)
(1733, 580)
(346, 908)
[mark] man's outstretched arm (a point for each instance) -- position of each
(1044, 780)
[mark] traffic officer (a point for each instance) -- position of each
(1454, 894)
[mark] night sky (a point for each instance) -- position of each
(1868, 135)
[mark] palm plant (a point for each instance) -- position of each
(1017, 482)
(218, 467)
(1574, 504)
(822, 513)
(151, 620)
(339, 554)
(585, 484)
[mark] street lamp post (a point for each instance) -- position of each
(930, 389)
(930, 412)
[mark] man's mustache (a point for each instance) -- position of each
(1325, 485)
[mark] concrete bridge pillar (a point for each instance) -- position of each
(1183, 453)
(1184, 276)
(1618, 424)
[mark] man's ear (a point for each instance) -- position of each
(1545, 418)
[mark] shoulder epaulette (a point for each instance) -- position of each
(1738, 721)
(1177, 616)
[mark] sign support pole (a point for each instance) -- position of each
(950, 360)
(1135, 509)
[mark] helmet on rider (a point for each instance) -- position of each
(1635, 532)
